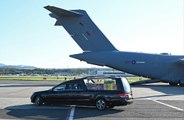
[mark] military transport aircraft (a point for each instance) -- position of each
(98, 50)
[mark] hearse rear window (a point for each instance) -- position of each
(100, 84)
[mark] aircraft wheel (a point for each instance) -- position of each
(173, 84)
(181, 84)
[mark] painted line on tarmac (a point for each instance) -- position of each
(4, 85)
(176, 108)
(70, 113)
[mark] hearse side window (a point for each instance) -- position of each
(100, 84)
(68, 86)
(77, 86)
(73, 86)
(60, 87)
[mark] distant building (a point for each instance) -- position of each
(108, 72)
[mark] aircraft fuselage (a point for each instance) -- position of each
(155, 66)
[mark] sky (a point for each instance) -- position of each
(28, 35)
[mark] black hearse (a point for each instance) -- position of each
(102, 92)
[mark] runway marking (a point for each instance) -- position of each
(70, 114)
(4, 85)
(176, 108)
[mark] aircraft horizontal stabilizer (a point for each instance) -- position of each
(62, 12)
(84, 57)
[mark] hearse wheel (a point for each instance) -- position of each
(101, 104)
(38, 100)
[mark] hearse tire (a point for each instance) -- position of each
(101, 104)
(38, 101)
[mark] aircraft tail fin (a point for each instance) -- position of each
(82, 29)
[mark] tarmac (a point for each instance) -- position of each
(157, 101)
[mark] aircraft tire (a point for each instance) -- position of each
(181, 84)
(173, 84)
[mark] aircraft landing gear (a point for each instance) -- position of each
(173, 83)
(181, 84)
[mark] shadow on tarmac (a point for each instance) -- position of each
(30, 111)
(163, 88)
(53, 112)
(85, 112)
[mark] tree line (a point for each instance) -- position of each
(39, 71)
